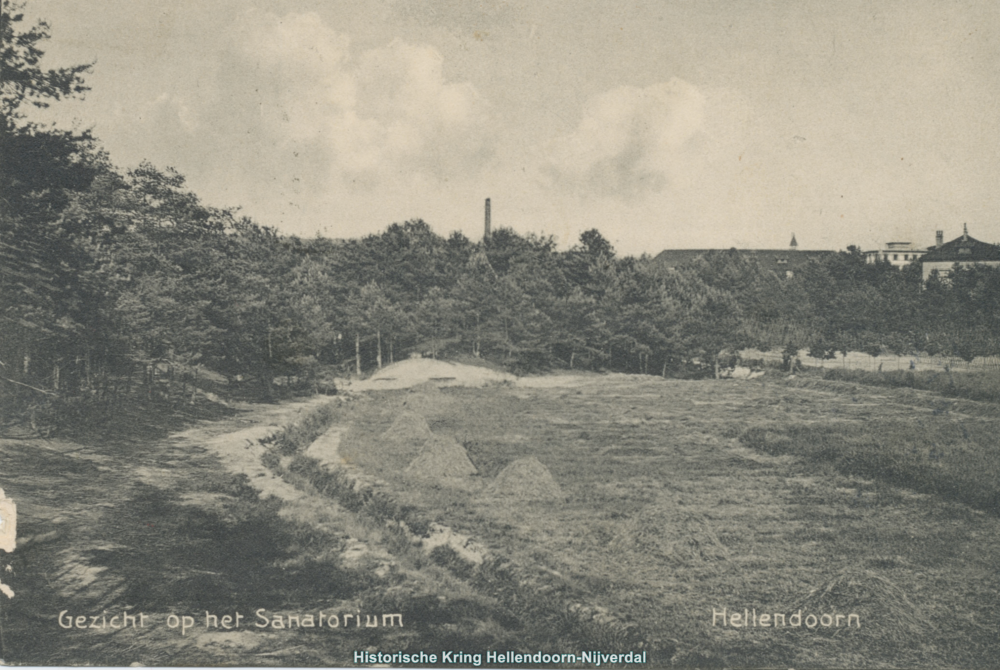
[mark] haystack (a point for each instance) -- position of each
(526, 479)
(442, 458)
(425, 399)
(887, 613)
(685, 540)
(409, 428)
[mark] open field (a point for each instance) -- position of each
(667, 516)
(984, 386)
(604, 512)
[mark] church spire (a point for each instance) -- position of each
(794, 245)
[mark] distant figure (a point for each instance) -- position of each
(913, 365)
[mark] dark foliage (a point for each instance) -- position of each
(121, 284)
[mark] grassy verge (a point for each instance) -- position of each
(960, 461)
(980, 386)
(300, 434)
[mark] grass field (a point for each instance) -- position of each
(667, 514)
(984, 386)
(669, 501)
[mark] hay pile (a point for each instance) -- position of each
(442, 458)
(426, 399)
(887, 614)
(408, 429)
(659, 532)
(526, 479)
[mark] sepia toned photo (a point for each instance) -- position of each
(501, 334)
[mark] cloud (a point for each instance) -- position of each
(298, 67)
(630, 142)
(381, 113)
(175, 110)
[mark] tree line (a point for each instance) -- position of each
(123, 284)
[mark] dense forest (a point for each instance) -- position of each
(121, 283)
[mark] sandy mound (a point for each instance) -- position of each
(686, 540)
(414, 371)
(408, 428)
(556, 380)
(442, 458)
(527, 479)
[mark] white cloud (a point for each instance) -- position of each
(168, 108)
(386, 112)
(630, 142)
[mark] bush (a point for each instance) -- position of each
(302, 433)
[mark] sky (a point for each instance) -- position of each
(663, 124)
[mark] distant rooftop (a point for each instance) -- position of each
(964, 248)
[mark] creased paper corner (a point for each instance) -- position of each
(8, 533)
(8, 523)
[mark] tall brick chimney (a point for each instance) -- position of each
(938, 239)
(486, 231)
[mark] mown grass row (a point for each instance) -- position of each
(982, 386)
(957, 460)
(533, 610)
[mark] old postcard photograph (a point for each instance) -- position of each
(501, 334)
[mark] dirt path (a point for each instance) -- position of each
(170, 526)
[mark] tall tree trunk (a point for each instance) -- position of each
(357, 353)
(55, 376)
(391, 358)
(572, 355)
(664, 373)
(266, 375)
(378, 351)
